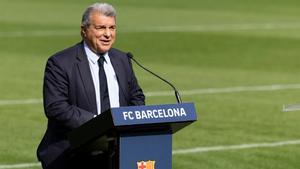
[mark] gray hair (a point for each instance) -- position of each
(103, 8)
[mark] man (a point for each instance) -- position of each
(75, 88)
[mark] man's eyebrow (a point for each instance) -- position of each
(100, 25)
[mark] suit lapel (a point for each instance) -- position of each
(86, 78)
(119, 70)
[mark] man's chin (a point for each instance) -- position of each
(104, 49)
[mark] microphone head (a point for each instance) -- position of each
(129, 55)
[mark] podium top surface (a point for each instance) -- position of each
(152, 114)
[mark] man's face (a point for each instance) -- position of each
(101, 33)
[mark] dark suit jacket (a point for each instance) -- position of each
(69, 95)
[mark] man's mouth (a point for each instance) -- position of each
(104, 41)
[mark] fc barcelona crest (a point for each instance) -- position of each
(145, 164)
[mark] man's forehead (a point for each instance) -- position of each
(100, 18)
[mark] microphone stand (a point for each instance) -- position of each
(177, 95)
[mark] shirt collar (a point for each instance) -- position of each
(92, 56)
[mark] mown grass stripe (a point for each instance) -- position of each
(191, 151)
(174, 28)
(263, 88)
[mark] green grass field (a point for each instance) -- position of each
(197, 45)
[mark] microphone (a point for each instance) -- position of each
(177, 95)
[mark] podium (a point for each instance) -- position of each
(137, 137)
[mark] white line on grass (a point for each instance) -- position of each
(236, 89)
(234, 147)
(191, 151)
(227, 90)
(174, 28)
(38, 33)
(17, 102)
(291, 107)
(24, 165)
(218, 27)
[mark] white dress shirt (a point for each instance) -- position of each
(112, 82)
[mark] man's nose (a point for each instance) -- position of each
(107, 32)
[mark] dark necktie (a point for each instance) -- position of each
(104, 97)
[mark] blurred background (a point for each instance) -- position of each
(237, 60)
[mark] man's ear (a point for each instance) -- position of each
(82, 30)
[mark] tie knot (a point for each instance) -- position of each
(101, 60)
